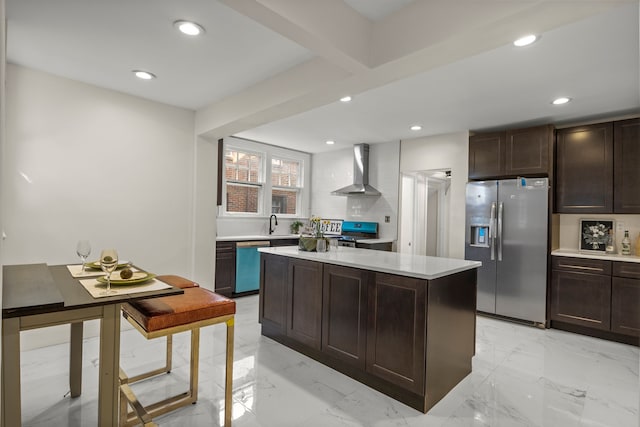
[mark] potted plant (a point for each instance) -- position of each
(295, 226)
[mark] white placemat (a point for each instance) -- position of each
(95, 288)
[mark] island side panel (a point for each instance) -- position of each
(396, 336)
(451, 330)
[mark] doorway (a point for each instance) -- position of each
(424, 213)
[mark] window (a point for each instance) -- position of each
(285, 186)
(243, 181)
(261, 179)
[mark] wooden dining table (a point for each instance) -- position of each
(38, 296)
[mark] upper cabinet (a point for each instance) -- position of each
(584, 169)
(511, 153)
(597, 168)
(626, 162)
(486, 155)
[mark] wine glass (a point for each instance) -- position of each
(83, 249)
(108, 263)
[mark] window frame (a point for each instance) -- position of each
(268, 152)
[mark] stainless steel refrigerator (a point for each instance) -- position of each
(506, 229)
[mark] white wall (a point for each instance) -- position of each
(334, 169)
(448, 151)
(88, 163)
(3, 56)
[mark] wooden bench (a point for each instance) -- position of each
(163, 317)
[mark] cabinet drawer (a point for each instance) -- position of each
(630, 270)
(225, 246)
(582, 265)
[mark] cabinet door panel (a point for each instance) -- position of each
(304, 302)
(527, 151)
(344, 325)
(625, 306)
(225, 276)
(486, 155)
(581, 299)
(584, 174)
(273, 291)
(626, 197)
(397, 329)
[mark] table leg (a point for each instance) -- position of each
(11, 410)
(108, 383)
(75, 360)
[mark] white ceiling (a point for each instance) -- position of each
(272, 70)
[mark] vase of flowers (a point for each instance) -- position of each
(316, 232)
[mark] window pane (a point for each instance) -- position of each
(240, 166)
(242, 198)
(283, 201)
(284, 173)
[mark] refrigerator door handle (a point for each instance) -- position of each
(492, 231)
(500, 213)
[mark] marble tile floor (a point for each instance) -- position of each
(522, 376)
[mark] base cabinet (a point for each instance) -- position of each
(225, 280)
(304, 302)
(625, 298)
(597, 295)
(396, 338)
(373, 326)
(344, 313)
(274, 271)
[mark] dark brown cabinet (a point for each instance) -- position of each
(225, 280)
(274, 272)
(397, 325)
(626, 160)
(625, 298)
(412, 339)
(597, 295)
(304, 302)
(511, 153)
(344, 317)
(284, 242)
(486, 155)
(584, 169)
(597, 168)
(528, 151)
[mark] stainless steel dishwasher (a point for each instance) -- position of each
(248, 265)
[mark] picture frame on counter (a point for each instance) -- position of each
(593, 234)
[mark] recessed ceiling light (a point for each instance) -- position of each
(416, 127)
(144, 75)
(345, 98)
(561, 100)
(189, 28)
(330, 142)
(526, 40)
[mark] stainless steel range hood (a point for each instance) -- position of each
(360, 186)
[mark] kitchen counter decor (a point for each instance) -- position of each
(594, 233)
(310, 243)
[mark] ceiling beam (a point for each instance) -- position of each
(413, 40)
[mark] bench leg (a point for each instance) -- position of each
(228, 385)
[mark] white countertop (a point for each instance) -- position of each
(609, 257)
(421, 267)
(256, 237)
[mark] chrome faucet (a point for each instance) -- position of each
(271, 229)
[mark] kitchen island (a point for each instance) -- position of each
(402, 324)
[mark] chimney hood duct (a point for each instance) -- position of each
(360, 186)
